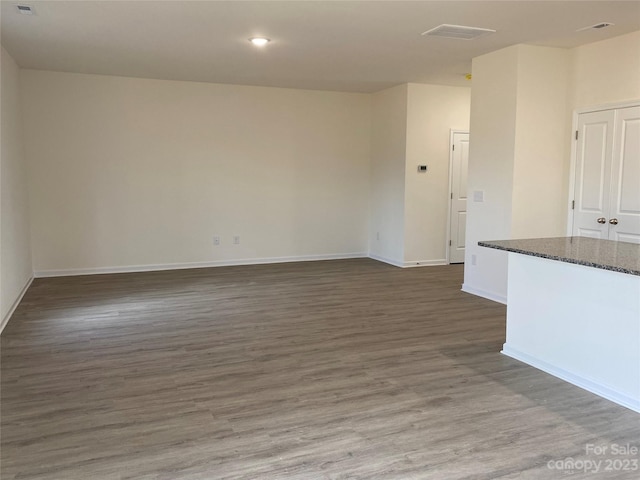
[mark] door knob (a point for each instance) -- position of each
(601, 220)
(613, 221)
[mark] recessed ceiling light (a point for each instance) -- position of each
(597, 26)
(259, 41)
(25, 9)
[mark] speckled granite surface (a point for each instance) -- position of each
(606, 254)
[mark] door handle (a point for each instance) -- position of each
(613, 221)
(601, 220)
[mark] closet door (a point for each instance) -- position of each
(594, 154)
(624, 211)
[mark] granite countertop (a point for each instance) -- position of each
(620, 257)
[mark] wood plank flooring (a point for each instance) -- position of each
(323, 370)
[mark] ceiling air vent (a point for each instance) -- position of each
(458, 31)
(25, 9)
(597, 26)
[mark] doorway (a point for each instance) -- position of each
(606, 201)
(458, 195)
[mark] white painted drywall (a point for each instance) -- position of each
(134, 172)
(432, 111)
(586, 329)
(542, 143)
(15, 243)
(521, 105)
(388, 156)
(491, 154)
(411, 125)
(519, 147)
(606, 72)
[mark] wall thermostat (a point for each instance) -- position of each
(422, 168)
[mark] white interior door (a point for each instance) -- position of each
(594, 154)
(458, 220)
(624, 215)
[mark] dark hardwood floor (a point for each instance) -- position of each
(324, 370)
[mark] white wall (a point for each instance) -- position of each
(132, 172)
(606, 72)
(432, 111)
(542, 143)
(519, 146)
(15, 246)
(388, 155)
(411, 125)
(522, 100)
(491, 154)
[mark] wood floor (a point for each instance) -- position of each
(323, 370)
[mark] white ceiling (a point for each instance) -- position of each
(359, 46)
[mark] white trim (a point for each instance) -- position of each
(395, 263)
(15, 304)
(410, 264)
(574, 149)
(425, 263)
(447, 247)
(572, 172)
(182, 266)
(484, 294)
(577, 380)
(608, 106)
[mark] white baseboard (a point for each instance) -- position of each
(484, 294)
(395, 263)
(413, 263)
(183, 266)
(584, 383)
(425, 263)
(15, 304)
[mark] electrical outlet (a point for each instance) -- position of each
(473, 259)
(236, 239)
(216, 239)
(377, 235)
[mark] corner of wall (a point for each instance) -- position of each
(432, 112)
(492, 147)
(387, 174)
(16, 272)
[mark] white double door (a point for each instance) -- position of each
(607, 183)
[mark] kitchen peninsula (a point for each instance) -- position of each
(573, 310)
